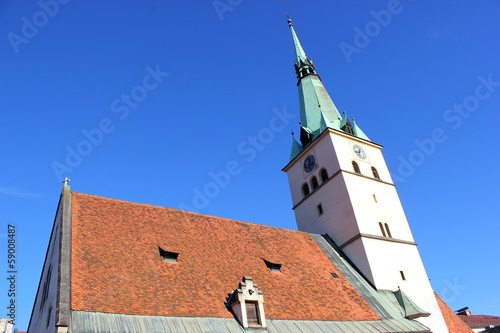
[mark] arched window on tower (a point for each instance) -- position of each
(355, 166)
(324, 175)
(382, 229)
(388, 230)
(305, 190)
(314, 183)
(375, 173)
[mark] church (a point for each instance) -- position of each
(352, 266)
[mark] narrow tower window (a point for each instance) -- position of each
(388, 230)
(355, 166)
(375, 173)
(314, 183)
(320, 209)
(324, 175)
(402, 275)
(305, 190)
(374, 198)
(382, 229)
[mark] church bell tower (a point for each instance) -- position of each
(341, 186)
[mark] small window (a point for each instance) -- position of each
(252, 313)
(335, 276)
(382, 229)
(168, 256)
(273, 266)
(49, 317)
(374, 198)
(314, 183)
(305, 190)
(402, 275)
(347, 128)
(375, 173)
(355, 166)
(324, 175)
(247, 304)
(46, 286)
(320, 209)
(388, 230)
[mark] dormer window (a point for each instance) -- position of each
(247, 304)
(168, 256)
(276, 268)
(252, 308)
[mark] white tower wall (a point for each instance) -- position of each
(353, 206)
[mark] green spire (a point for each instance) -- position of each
(317, 110)
(299, 51)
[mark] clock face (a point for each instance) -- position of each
(309, 163)
(359, 151)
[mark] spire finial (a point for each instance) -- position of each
(66, 181)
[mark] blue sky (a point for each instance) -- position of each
(151, 101)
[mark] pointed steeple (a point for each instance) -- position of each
(301, 57)
(296, 148)
(358, 132)
(317, 110)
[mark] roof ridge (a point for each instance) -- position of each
(185, 212)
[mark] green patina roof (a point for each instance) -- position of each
(358, 132)
(409, 308)
(296, 148)
(317, 110)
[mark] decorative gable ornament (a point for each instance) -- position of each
(247, 304)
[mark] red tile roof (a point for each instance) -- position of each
(455, 325)
(116, 266)
(480, 320)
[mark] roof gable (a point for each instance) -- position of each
(116, 266)
(454, 323)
